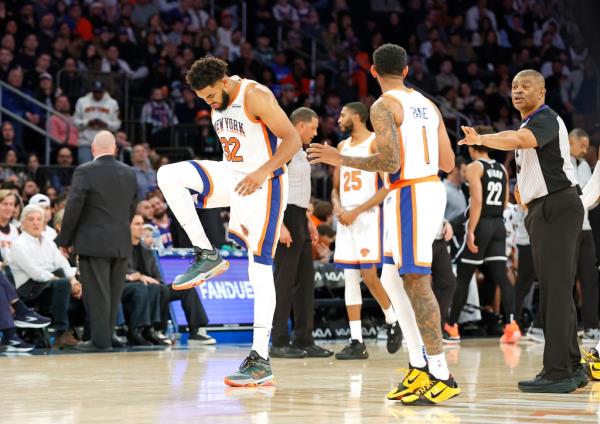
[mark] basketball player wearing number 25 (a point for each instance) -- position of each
(258, 140)
(411, 144)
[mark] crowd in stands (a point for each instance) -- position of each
(73, 56)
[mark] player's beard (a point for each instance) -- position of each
(161, 214)
(348, 128)
(224, 102)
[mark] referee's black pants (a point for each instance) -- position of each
(587, 274)
(525, 278)
(554, 226)
(294, 282)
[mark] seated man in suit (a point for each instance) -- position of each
(43, 276)
(145, 262)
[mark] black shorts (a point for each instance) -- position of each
(490, 238)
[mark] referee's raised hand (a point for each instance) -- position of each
(471, 137)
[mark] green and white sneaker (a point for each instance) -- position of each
(254, 371)
(207, 264)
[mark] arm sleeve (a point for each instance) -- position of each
(544, 128)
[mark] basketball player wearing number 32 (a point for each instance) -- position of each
(258, 140)
(411, 145)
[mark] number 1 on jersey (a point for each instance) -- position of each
(425, 145)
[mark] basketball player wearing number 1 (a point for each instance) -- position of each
(258, 140)
(412, 145)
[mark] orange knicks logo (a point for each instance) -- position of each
(364, 252)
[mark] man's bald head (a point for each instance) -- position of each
(528, 91)
(104, 142)
(532, 75)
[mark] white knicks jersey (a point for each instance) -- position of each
(419, 148)
(357, 186)
(247, 143)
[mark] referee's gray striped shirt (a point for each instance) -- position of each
(547, 168)
(299, 180)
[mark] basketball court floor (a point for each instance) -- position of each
(185, 385)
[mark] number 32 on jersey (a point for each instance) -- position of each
(230, 149)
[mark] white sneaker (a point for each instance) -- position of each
(163, 338)
(201, 337)
(535, 334)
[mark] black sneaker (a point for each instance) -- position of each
(315, 351)
(541, 384)
(394, 337)
(31, 320)
(287, 351)
(206, 264)
(580, 377)
(15, 344)
(354, 350)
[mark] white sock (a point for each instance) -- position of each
(390, 316)
(438, 366)
(393, 285)
(174, 181)
(263, 285)
(356, 330)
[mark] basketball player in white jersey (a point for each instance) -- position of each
(258, 140)
(412, 145)
(356, 197)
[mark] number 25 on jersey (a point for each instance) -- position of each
(352, 180)
(230, 149)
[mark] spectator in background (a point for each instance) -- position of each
(144, 261)
(446, 77)
(144, 173)
(142, 11)
(144, 209)
(30, 189)
(161, 220)
(264, 52)
(61, 177)
(18, 105)
(8, 231)
(419, 77)
(284, 12)
(43, 276)
(6, 62)
(246, 66)
(63, 130)
(142, 294)
(112, 63)
(477, 12)
(94, 112)
(322, 251)
(157, 117)
(9, 142)
(29, 50)
(185, 111)
(43, 201)
(34, 173)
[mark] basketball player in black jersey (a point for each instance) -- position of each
(485, 240)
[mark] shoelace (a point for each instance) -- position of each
(249, 361)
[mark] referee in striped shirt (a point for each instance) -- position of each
(293, 266)
(548, 188)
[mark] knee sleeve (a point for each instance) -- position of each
(352, 294)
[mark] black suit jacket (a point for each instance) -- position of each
(100, 206)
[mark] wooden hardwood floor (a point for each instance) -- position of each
(186, 386)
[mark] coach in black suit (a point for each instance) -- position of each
(100, 206)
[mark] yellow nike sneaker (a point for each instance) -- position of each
(433, 393)
(414, 378)
(591, 364)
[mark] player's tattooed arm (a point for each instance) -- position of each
(387, 158)
(387, 140)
